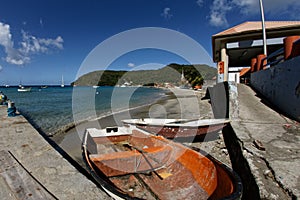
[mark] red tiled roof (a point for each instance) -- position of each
(256, 25)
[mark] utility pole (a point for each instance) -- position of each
(263, 27)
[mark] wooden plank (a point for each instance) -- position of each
(19, 181)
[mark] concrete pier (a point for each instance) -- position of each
(30, 168)
(264, 149)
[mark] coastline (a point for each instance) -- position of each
(179, 103)
(105, 120)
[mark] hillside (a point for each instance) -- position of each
(194, 74)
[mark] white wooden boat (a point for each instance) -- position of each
(24, 89)
(179, 128)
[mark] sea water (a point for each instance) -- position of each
(51, 108)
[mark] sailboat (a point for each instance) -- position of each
(62, 81)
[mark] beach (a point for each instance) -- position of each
(178, 103)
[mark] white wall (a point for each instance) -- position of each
(234, 77)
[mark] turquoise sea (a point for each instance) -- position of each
(53, 107)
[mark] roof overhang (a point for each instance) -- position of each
(251, 32)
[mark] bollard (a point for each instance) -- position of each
(11, 109)
(289, 49)
(260, 62)
(296, 48)
(253, 64)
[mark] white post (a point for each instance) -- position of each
(263, 27)
(224, 58)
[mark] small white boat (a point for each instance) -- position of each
(95, 86)
(24, 89)
(179, 128)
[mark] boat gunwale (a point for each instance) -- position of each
(177, 123)
(104, 184)
(108, 187)
(238, 186)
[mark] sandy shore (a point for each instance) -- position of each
(179, 103)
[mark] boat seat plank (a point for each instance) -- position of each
(133, 161)
(111, 139)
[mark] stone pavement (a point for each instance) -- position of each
(269, 148)
(30, 168)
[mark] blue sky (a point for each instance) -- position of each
(42, 40)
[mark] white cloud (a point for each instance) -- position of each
(33, 45)
(5, 36)
(16, 57)
(28, 46)
(218, 13)
(290, 8)
(131, 65)
(199, 3)
(247, 6)
(166, 13)
(13, 56)
(274, 8)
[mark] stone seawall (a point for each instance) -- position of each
(32, 168)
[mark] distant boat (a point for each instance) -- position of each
(95, 86)
(62, 81)
(130, 163)
(24, 89)
(179, 128)
(126, 84)
(44, 86)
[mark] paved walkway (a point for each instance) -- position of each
(30, 168)
(270, 144)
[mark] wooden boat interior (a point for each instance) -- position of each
(145, 166)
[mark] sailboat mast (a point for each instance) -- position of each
(62, 81)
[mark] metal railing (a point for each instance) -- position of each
(276, 57)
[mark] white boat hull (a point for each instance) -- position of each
(179, 128)
(24, 89)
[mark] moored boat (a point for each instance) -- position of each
(179, 128)
(130, 163)
(24, 89)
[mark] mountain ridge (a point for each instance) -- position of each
(171, 73)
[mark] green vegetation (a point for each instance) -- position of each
(193, 74)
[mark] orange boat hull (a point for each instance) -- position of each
(144, 166)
